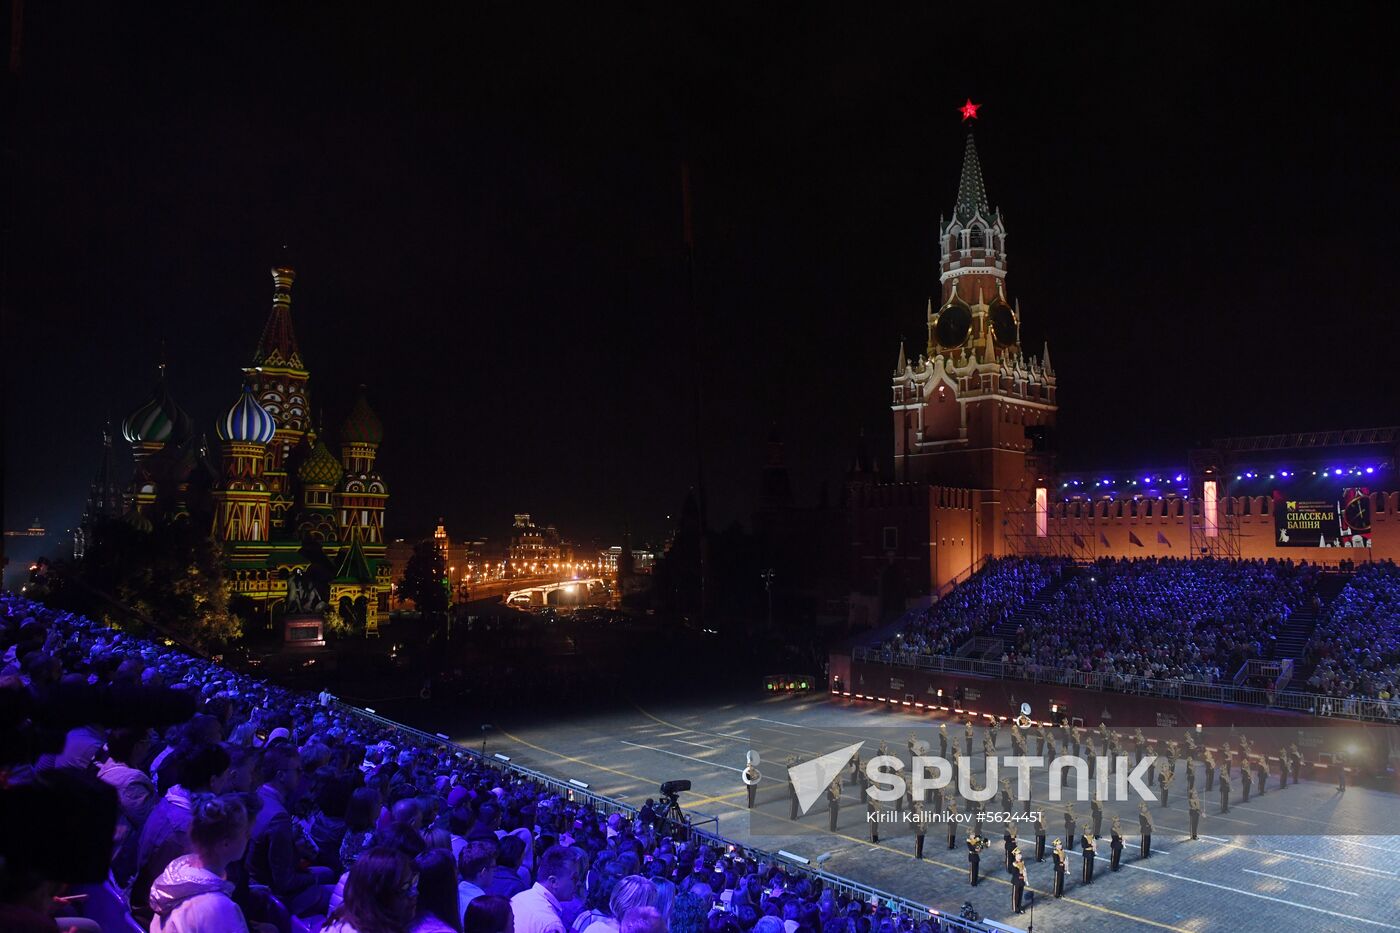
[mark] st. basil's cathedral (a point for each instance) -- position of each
(301, 530)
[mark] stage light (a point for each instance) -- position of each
(1370, 469)
(1178, 477)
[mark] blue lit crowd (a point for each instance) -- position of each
(1169, 619)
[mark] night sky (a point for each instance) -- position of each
(483, 207)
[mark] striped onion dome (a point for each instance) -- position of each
(158, 420)
(320, 468)
(247, 421)
(362, 425)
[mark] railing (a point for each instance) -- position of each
(842, 886)
(1293, 701)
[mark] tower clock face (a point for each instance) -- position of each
(952, 326)
(1003, 324)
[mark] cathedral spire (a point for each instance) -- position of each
(278, 346)
(903, 362)
(972, 194)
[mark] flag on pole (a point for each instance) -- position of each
(1135, 539)
(1078, 541)
(1162, 539)
(1103, 538)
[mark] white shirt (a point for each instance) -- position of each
(536, 911)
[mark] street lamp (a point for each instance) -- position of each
(767, 576)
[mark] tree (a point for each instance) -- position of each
(425, 579)
(171, 573)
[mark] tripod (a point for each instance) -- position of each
(671, 811)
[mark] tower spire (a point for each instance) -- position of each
(278, 346)
(972, 193)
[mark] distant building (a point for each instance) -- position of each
(533, 549)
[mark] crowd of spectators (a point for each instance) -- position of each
(975, 606)
(252, 807)
(1166, 618)
(1356, 647)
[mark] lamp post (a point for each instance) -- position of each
(767, 576)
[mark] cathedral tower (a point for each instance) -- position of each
(362, 495)
(243, 499)
(278, 380)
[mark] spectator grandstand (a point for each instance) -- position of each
(1117, 622)
(1356, 647)
(255, 807)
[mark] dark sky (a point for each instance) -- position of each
(483, 207)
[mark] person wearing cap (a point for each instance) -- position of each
(1057, 853)
(916, 814)
(1145, 828)
(1115, 845)
(950, 814)
(1194, 805)
(1086, 845)
(974, 856)
(1039, 836)
(1018, 884)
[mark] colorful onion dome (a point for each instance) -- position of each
(158, 420)
(247, 421)
(362, 425)
(320, 468)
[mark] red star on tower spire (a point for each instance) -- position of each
(969, 110)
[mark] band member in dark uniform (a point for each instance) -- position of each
(1210, 770)
(1057, 853)
(1261, 773)
(1011, 844)
(1040, 837)
(1246, 778)
(1139, 744)
(833, 803)
(1115, 845)
(967, 738)
(1071, 824)
(857, 768)
(1341, 774)
(1297, 757)
(872, 816)
(1224, 790)
(751, 779)
(992, 732)
(792, 791)
(1227, 759)
(1190, 775)
(1164, 781)
(1018, 884)
(989, 752)
(1193, 804)
(1091, 754)
(1086, 844)
(942, 740)
(1006, 801)
(974, 857)
(916, 813)
(1076, 738)
(1145, 827)
(938, 805)
(952, 813)
(1096, 814)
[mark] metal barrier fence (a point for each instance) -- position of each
(1291, 700)
(793, 864)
